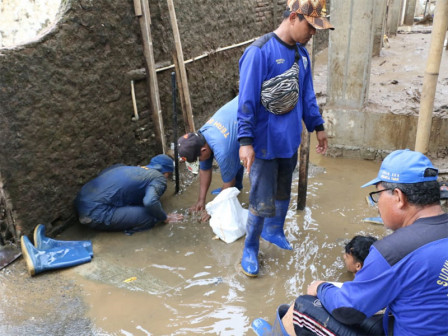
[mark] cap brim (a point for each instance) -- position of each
(374, 181)
(319, 22)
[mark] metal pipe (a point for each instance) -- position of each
(176, 160)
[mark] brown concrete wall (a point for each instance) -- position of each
(65, 102)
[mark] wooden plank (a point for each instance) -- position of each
(180, 61)
(145, 26)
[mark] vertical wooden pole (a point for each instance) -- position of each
(304, 153)
(181, 64)
(431, 76)
(181, 95)
(142, 7)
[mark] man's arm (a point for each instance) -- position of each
(151, 201)
(251, 77)
(205, 178)
(373, 288)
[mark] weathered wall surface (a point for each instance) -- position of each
(65, 102)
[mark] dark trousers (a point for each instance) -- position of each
(311, 318)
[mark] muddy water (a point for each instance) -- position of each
(183, 282)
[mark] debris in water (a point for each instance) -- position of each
(130, 279)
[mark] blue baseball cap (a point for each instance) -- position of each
(404, 166)
(163, 163)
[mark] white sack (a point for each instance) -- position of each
(228, 218)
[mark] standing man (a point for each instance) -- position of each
(126, 198)
(216, 139)
(406, 272)
(276, 94)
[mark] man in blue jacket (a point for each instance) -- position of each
(276, 94)
(406, 272)
(126, 198)
(217, 139)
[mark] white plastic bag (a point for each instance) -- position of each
(228, 218)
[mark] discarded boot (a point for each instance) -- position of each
(249, 261)
(273, 229)
(58, 257)
(44, 243)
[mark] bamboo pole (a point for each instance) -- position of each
(145, 26)
(431, 75)
(180, 60)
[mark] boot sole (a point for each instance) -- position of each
(248, 274)
(26, 256)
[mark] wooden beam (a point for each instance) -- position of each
(145, 26)
(180, 60)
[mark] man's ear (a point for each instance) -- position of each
(401, 197)
(358, 266)
(292, 17)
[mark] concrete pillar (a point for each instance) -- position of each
(350, 50)
(393, 17)
(379, 14)
(409, 12)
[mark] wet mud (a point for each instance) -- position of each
(177, 280)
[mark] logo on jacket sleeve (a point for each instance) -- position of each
(305, 62)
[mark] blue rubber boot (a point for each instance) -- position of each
(273, 226)
(249, 261)
(278, 329)
(57, 257)
(261, 327)
(44, 243)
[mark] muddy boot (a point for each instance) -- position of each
(249, 261)
(57, 257)
(273, 226)
(44, 243)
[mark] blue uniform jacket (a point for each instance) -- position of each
(407, 272)
(120, 186)
(274, 136)
(221, 133)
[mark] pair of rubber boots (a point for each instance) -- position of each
(49, 254)
(270, 229)
(263, 328)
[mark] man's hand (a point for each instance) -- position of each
(205, 216)
(322, 146)
(174, 218)
(247, 156)
(312, 288)
(199, 206)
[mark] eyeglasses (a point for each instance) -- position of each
(375, 195)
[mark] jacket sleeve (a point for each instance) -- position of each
(370, 291)
(151, 201)
(311, 114)
(251, 78)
